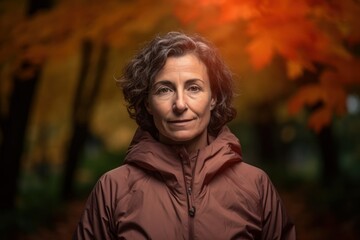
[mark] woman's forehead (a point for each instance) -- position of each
(188, 65)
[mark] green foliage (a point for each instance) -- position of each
(39, 195)
(94, 163)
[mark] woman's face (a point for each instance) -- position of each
(180, 102)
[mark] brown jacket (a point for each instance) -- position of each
(161, 192)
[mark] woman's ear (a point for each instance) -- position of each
(212, 103)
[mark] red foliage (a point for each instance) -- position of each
(304, 33)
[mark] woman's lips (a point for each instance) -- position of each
(181, 122)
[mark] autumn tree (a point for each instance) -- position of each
(29, 43)
(86, 93)
(315, 39)
(25, 77)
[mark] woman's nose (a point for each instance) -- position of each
(179, 105)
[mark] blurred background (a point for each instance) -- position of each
(63, 121)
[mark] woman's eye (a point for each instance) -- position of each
(194, 88)
(162, 90)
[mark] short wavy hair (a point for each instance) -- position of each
(139, 74)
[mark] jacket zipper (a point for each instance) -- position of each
(190, 199)
(192, 211)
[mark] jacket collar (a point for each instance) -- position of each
(149, 154)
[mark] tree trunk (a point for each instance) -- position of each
(14, 124)
(14, 133)
(265, 131)
(329, 156)
(86, 93)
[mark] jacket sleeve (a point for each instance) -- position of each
(276, 222)
(96, 221)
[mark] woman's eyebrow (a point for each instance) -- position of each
(194, 80)
(170, 83)
(163, 82)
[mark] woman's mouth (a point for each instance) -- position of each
(180, 121)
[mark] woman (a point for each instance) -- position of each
(183, 176)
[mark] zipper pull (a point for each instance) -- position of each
(192, 209)
(192, 212)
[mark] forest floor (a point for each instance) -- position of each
(308, 226)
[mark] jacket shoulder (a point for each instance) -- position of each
(251, 172)
(120, 180)
(251, 179)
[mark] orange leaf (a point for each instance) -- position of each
(232, 11)
(345, 72)
(305, 96)
(261, 52)
(294, 69)
(335, 94)
(319, 119)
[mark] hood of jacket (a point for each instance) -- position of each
(168, 161)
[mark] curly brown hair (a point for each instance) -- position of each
(139, 74)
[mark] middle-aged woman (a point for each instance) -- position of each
(183, 176)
